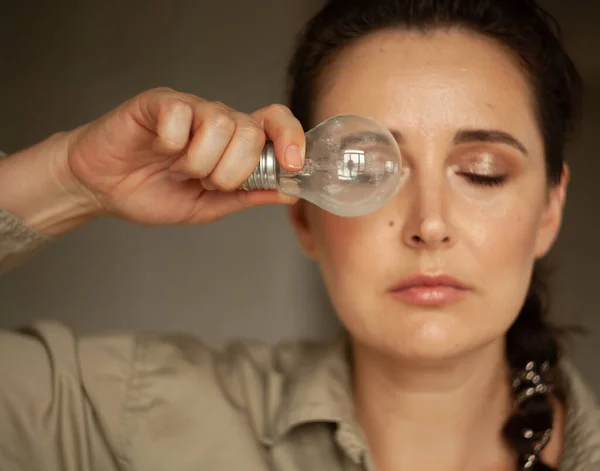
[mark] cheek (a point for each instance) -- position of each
(500, 241)
(502, 232)
(351, 251)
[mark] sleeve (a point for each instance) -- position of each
(18, 242)
(48, 419)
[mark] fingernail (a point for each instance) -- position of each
(293, 157)
(208, 185)
(179, 177)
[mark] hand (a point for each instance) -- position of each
(166, 157)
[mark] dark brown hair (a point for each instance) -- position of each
(534, 38)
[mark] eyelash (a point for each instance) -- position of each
(484, 180)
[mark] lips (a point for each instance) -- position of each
(429, 290)
(429, 281)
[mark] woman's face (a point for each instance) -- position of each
(474, 205)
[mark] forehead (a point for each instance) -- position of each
(429, 82)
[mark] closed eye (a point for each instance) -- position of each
(484, 180)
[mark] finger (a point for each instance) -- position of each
(214, 127)
(215, 205)
(167, 113)
(242, 154)
(174, 127)
(286, 132)
(207, 185)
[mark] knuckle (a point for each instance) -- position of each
(278, 108)
(178, 105)
(191, 98)
(251, 133)
(162, 91)
(218, 107)
(165, 89)
(221, 105)
(222, 120)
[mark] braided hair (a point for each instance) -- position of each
(534, 38)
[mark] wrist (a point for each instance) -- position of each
(38, 187)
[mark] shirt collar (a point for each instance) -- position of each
(320, 391)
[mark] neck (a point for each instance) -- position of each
(448, 413)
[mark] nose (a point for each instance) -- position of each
(426, 223)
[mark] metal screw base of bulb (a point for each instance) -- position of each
(264, 176)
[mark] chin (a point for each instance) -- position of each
(425, 337)
(432, 343)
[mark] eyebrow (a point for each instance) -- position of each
(478, 135)
(489, 135)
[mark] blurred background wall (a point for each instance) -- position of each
(64, 63)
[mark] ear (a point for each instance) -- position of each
(299, 217)
(553, 214)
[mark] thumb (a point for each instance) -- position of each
(222, 204)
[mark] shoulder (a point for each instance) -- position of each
(179, 379)
(135, 389)
(43, 393)
(150, 378)
(189, 376)
(105, 360)
(237, 372)
(582, 421)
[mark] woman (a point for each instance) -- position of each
(448, 363)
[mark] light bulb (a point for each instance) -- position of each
(352, 167)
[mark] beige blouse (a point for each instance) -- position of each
(156, 402)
